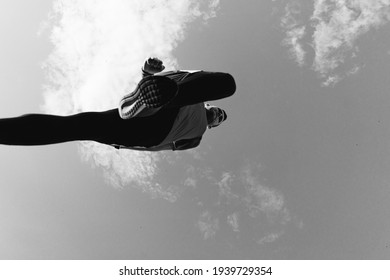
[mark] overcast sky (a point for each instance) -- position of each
(300, 169)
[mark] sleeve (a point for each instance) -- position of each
(186, 144)
(167, 147)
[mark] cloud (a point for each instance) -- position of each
(247, 207)
(232, 220)
(331, 81)
(270, 238)
(226, 195)
(338, 24)
(260, 200)
(295, 32)
(336, 27)
(208, 225)
(296, 49)
(98, 49)
(190, 182)
(236, 207)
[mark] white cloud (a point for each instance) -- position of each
(108, 158)
(354, 70)
(224, 185)
(99, 47)
(296, 49)
(190, 182)
(213, 7)
(208, 225)
(261, 200)
(226, 195)
(332, 80)
(242, 206)
(336, 26)
(243, 198)
(291, 15)
(295, 32)
(232, 220)
(270, 238)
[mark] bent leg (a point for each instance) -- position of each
(203, 86)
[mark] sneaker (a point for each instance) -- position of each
(151, 94)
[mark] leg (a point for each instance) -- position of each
(203, 86)
(40, 129)
(105, 127)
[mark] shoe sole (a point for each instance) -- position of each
(151, 94)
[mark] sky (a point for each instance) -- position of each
(300, 169)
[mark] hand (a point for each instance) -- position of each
(153, 65)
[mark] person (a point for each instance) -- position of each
(166, 111)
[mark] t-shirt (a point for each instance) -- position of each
(190, 122)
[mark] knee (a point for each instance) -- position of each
(230, 84)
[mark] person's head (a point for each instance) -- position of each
(215, 115)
